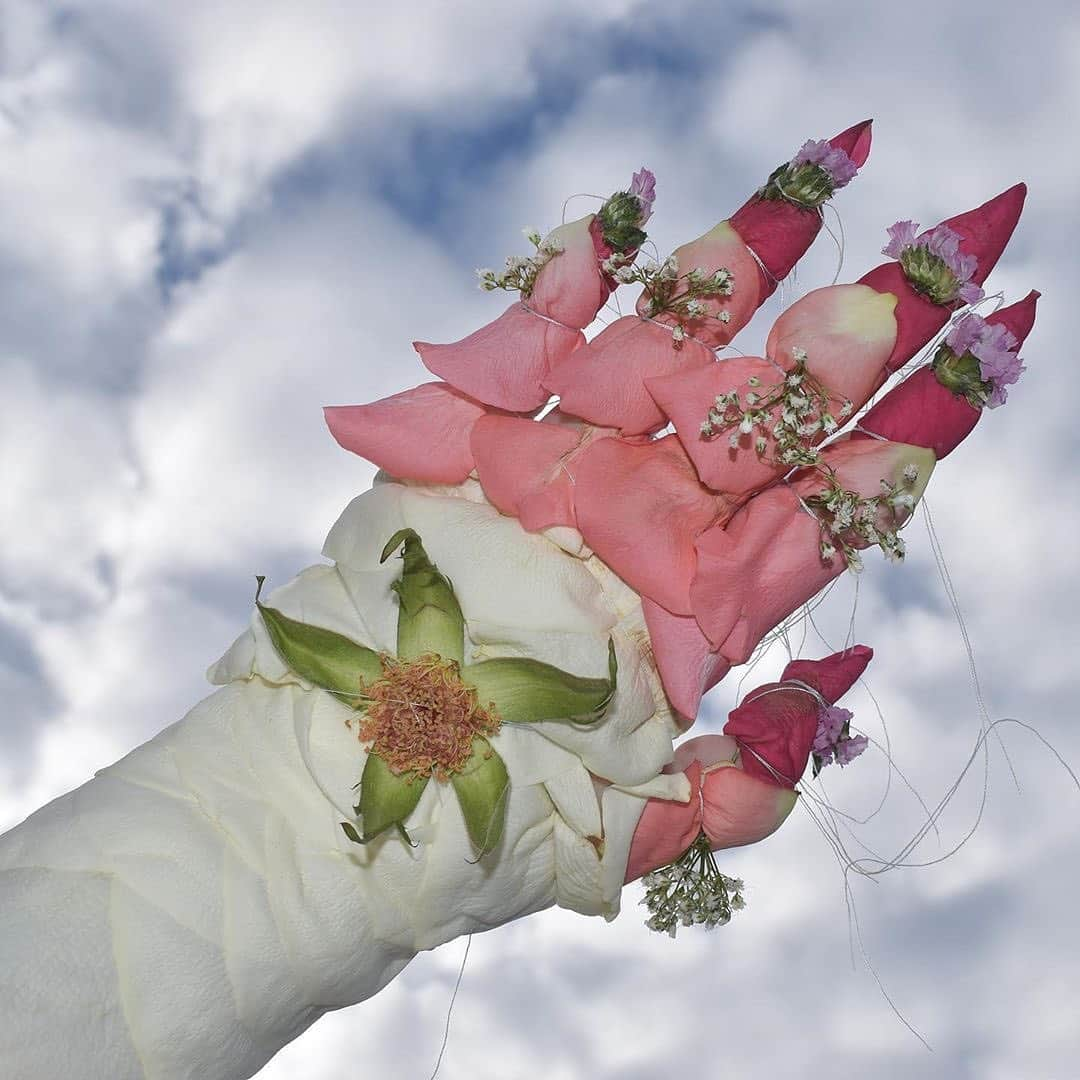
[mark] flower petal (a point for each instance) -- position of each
(523, 690)
(742, 809)
(721, 248)
(429, 616)
(604, 381)
(639, 508)
(504, 363)
(482, 788)
(571, 288)
(922, 412)
(780, 233)
(685, 658)
(323, 657)
(519, 462)
(983, 232)
(665, 829)
(386, 798)
(398, 432)
(687, 396)
(767, 561)
(848, 333)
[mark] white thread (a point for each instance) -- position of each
(450, 1009)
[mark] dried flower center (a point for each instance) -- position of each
(422, 718)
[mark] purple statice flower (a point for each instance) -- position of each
(832, 159)
(995, 348)
(901, 235)
(848, 749)
(943, 243)
(831, 721)
(643, 187)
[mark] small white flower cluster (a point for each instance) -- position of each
(691, 892)
(795, 412)
(670, 293)
(848, 519)
(519, 274)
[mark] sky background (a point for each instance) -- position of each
(216, 218)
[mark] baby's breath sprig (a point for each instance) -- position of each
(848, 519)
(794, 412)
(682, 296)
(691, 892)
(519, 273)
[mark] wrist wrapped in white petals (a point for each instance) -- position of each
(197, 905)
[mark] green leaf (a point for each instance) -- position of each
(429, 618)
(482, 788)
(386, 798)
(524, 690)
(321, 656)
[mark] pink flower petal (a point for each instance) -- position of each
(922, 412)
(767, 562)
(848, 333)
(518, 460)
(720, 248)
(398, 432)
(983, 232)
(775, 729)
(833, 676)
(666, 828)
(687, 662)
(639, 507)
(686, 397)
(504, 364)
(571, 288)
(604, 381)
(742, 809)
(780, 233)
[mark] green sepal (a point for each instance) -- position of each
(386, 798)
(524, 690)
(351, 833)
(323, 657)
(482, 788)
(429, 618)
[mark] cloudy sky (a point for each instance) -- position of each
(215, 218)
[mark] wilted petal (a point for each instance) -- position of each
(482, 787)
(639, 508)
(523, 690)
(323, 657)
(429, 617)
(665, 829)
(504, 364)
(604, 382)
(386, 798)
(398, 432)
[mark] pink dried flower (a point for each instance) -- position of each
(933, 262)
(995, 348)
(643, 187)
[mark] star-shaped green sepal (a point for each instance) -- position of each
(425, 713)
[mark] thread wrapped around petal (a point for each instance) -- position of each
(779, 232)
(504, 364)
(688, 664)
(570, 287)
(923, 412)
(983, 232)
(639, 508)
(604, 382)
(775, 726)
(767, 561)
(721, 248)
(398, 432)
